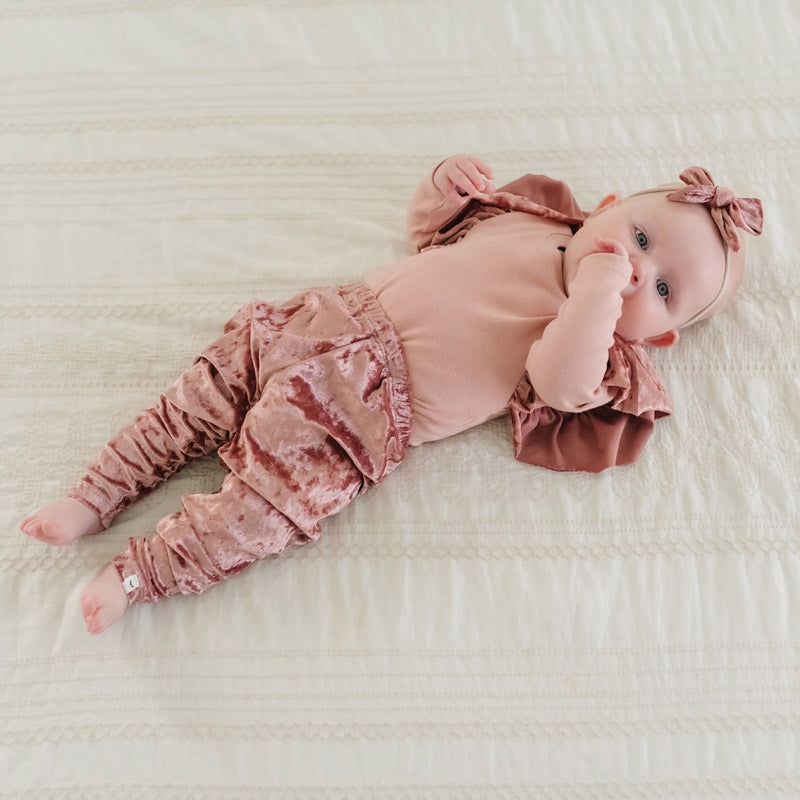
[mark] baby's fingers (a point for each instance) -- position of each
(469, 176)
(607, 245)
(481, 167)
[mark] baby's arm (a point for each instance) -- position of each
(567, 365)
(443, 192)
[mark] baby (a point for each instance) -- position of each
(517, 302)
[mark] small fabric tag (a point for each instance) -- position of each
(131, 584)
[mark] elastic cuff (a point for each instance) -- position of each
(130, 579)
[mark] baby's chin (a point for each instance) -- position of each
(629, 330)
(623, 334)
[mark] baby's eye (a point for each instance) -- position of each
(662, 287)
(641, 239)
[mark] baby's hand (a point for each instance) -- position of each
(608, 252)
(464, 176)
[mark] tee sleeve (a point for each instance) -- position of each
(567, 365)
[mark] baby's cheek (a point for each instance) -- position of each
(630, 319)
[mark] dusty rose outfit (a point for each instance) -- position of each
(315, 400)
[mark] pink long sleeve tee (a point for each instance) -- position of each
(474, 316)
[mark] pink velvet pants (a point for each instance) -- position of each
(308, 404)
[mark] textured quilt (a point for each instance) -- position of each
(474, 627)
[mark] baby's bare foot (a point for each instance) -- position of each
(103, 600)
(62, 522)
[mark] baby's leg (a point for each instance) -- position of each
(193, 417)
(148, 450)
(215, 536)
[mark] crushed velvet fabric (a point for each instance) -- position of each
(308, 403)
(534, 194)
(728, 211)
(611, 435)
(213, 537)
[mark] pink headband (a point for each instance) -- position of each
(728, 211)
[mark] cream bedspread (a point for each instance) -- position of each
(475, 627)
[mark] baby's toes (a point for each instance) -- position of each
(96, 623)
(26, 526)
(50, 531)
(92, 610)
(35, 528)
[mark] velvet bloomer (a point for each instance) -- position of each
(308, 404)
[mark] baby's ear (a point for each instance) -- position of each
(663, 340)
(609, 201)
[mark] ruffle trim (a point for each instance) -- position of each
(610, 435)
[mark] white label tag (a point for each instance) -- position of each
(131, 583)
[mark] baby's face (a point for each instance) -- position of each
(676, 255)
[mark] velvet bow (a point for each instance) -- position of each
(728, 211)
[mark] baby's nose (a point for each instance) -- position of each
(638, 272)
(637, 277)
